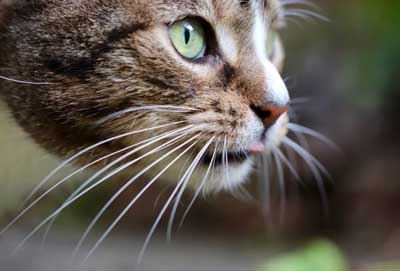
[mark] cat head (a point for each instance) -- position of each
(190, 85)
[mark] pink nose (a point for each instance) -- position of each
(269, 113)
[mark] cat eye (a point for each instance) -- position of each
(188, 38)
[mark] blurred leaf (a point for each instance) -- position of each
(320, 255)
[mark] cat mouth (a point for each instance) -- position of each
(228, 158)
(234, 157)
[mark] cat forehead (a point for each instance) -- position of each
(223, 8)
(236, 14)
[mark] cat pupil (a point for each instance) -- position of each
(187, 35)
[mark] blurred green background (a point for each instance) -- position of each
(346, 71)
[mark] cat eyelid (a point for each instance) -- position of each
(186, 16)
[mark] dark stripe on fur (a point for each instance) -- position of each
(81, 67)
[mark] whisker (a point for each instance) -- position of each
(307, 131)
(205, 189)
(264, 182)
(283, 158)
(243, 194)
(66, 204)
(24, 82)
(186, 178)
(301, 138)
(310, 160)
(48, 228)
(157, 221)
(296, 15)
(80, 153)
(291, 156)
(148, 142)
(26, 209)
(305, 154)
(280, 175)
(156, 108)
(200, 188)
(187, 161)
(225, 158)
(305, 14)
(128, 207)
(295, 21)
(158, 198)
(310, 4)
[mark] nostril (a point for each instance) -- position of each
(266, 114)
(262, 114)
(270, 113)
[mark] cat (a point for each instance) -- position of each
(149, 88)
(103, 57)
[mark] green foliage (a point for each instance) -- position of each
(372, 40)
(320, 255)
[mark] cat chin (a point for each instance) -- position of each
(218, 179)
(230, 179)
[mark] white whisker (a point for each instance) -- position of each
(286, 3)
(307, 131)
(294, 21)
(24, 82)
(282, 189)
(243, 194)
(80, 153)
(187, 161)
(225, 158)
(158, 198)
(128, 207)
(66, 204)
(291, 156)
(264, 182)
(149, 141)
(157, 221)
(301, 138)
(27, 208)
(305, 14)
(186, 178)
(48, 228)
(315, 167)
(288, 164)
(307, 156)
(153, 108)
(200, 188)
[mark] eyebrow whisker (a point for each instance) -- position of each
(24, 82)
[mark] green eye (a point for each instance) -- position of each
(188, 38)
(271, 42)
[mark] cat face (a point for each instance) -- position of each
(190, 85)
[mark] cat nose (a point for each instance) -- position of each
(269, 113)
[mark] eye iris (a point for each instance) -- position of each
(188, 38)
